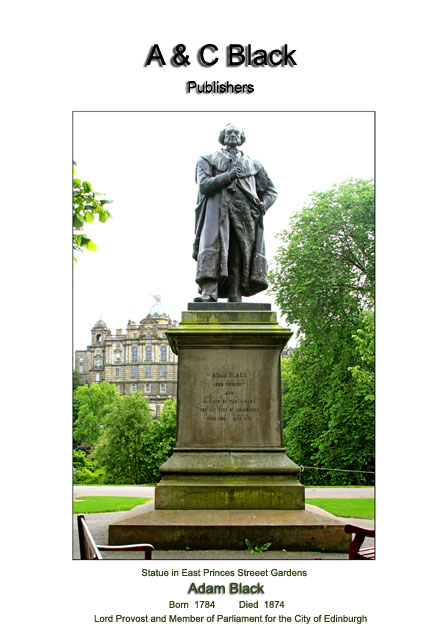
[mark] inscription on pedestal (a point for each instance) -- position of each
(229, 398)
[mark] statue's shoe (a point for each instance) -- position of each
(234, 299)
(204, 299)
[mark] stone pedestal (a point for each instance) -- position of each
(229, 457)
(229, 452)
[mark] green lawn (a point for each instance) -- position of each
(346, 507)
(104, 504)
(342, 507)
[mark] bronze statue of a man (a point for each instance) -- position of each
(234, 194)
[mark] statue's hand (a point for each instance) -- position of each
(235, 172)
(261, 207)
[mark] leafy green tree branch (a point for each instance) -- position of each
(86, 208)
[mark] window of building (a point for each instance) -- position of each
(117, 372)
(163, 388)
(148, 335)
(98, 352)
(163, 352)
(147, 388)
(133, 388)
(117, 357)
(98, 362)
(117, 386)
(98, 337)
(81, 359)
(81, 368)
(134, 354)
(117, 346)
(133, 372)
(163, 371)
(134, 335)
(148, 372)
(163, 335)
(97, 377)
(149, 352)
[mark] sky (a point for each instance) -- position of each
(145, 163)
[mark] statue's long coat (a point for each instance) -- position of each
(222, 204)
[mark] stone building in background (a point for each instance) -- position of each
(136, 359)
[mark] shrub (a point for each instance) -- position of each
(85, 476)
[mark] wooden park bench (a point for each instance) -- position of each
(355, 552)
(89, 550)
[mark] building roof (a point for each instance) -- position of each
(100, 325)
(158, 310)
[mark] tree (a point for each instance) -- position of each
(77, 380)
(86, 205)
(133, 444)
(86, 469)
(160, 441)
(364, 373)
(323, 282)
(325, 269)
(92, 405)
(121, 447)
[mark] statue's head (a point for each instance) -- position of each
(232, 136)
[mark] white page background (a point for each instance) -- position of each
(58, 58)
